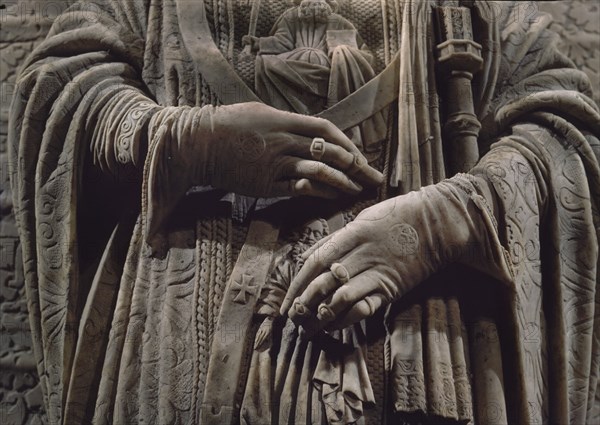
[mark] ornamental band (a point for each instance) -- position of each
(320, 212)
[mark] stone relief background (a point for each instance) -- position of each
(23, 24)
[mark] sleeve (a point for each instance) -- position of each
(280, 40)
(84, 80)
(542, 182)
(80, 89)
(541, 132)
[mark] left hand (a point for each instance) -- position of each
(357, 270)
(252, 41)
(385, 252)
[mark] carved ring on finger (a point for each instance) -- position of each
(317, 148)
(371, 305)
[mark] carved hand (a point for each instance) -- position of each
(257, 150)
(386, 251)
(252, 41)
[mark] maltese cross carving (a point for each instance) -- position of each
(245, 289)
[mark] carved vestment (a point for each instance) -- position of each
(122, 332)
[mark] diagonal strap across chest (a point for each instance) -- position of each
(230, 88)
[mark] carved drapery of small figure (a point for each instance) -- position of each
(314, 58)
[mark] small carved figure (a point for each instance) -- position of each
(314, 58)
(285, 270)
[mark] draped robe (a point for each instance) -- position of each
(122, 331)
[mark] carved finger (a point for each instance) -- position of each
(363, 172)
(317, 148)
(347, 295)
(284, 188)
(316, 246)
(319, 127)
(318, 290)
(361, 310)
(353, 164)
(331, 154)
(323, 173)
(305, 187)
(309, 271)
(317, 189)
(315, 264)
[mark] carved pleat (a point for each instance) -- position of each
(441, 395)
(407, 369)
(459, 356)
(119, 331)
(488, 374)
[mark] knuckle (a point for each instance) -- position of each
(327, 126)
(345, 296)
(327, 253)
(322, 171)
(315, 261)
(321, 289)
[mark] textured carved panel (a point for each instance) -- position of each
(22, 25)
(578, 24)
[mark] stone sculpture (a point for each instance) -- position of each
(313, 59)
(156, 296)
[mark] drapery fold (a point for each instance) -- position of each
(418, 160)
(55, 97)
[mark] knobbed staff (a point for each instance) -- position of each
(254, 11)
(459, 57)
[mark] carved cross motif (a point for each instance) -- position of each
(244, 289)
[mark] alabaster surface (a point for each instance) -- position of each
(316, 211)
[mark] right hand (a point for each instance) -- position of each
(259, 151)
(251, 41)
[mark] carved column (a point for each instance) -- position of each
(459, 57)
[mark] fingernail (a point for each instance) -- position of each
(299, 308)
(325, 314)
